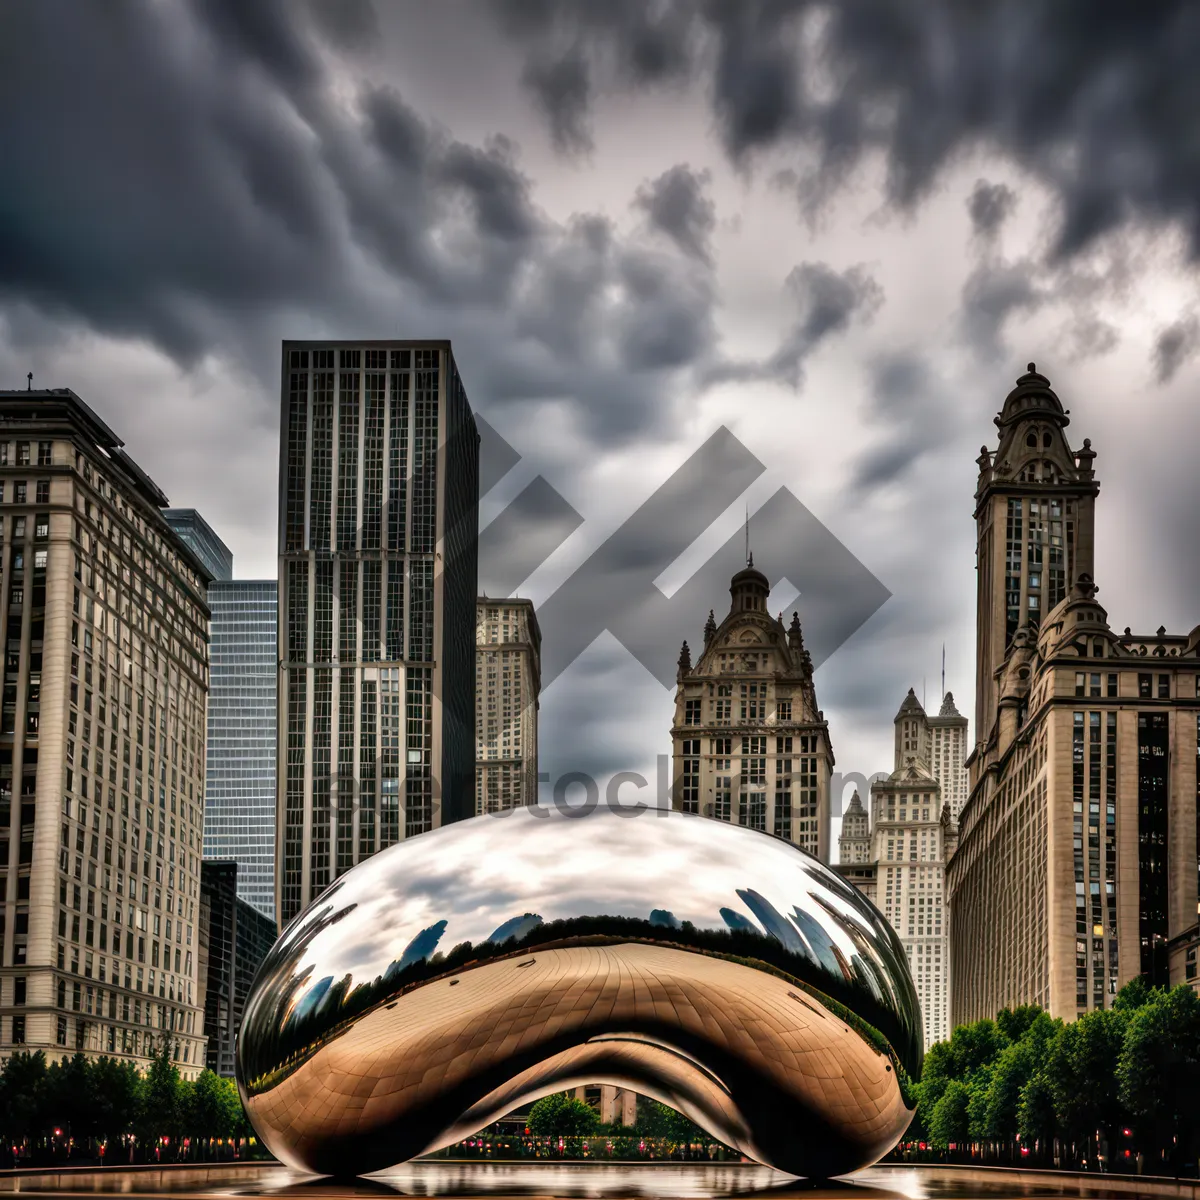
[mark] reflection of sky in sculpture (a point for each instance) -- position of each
(492, 878)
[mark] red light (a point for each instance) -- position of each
(58, 1133)
(921, 1145)
(1127, 1132)
(1126, 1153)
(1024, 1149)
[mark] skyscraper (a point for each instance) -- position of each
(379, 483)
(101, 745)
(1077, 859)
(749, 743)
(900, 865)
(201, 539)
(234, 939)
(508, 647)
(948, 754)
(239, 790)
(239, 814)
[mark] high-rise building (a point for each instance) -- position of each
(900, 864)
(949, 750)
(378, 530)
(234, 939)
(239, 799)
(1077, 860)
(201, 539)
(102, 745)
(749, 743)
(239, 813)
(508, 647)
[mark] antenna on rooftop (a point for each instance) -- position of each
(749, 559)
(29, 382)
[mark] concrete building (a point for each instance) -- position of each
(749, 743)
(900, 865)
(1077, 861)
(508, 653)
(948, 754)
(378, 529)
(234, 939)
(102, 746)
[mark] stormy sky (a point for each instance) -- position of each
(840, 232)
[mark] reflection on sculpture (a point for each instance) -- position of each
(450, 978)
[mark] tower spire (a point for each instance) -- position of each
(749, 554)
(943, 669)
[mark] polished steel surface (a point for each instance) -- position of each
(450, 978)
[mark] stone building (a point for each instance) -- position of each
(900, 862)
(1077, 863)
(748, 742)
(102, 746)
(508, 651)
(378, 536)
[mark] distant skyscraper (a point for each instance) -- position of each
(948, 749)
(234, 939)
(379, 488)
(901, 864)
(1077, 862)
(508, 648)
(101, 746)
(749, 743)
(239, 816)
(200, 539)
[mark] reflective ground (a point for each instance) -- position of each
(576, 1181)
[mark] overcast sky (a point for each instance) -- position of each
(839, 232)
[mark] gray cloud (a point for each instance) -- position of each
(1174, 346)
(990, 205)
(826, 303)
(677, 206)
(993, 293)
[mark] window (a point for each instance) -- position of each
(783, 710)
(22, 454)
(1144, 685)
(1112, 685)
(691, 714)
(40, 558)
(19, 492)
(1164, 687)
(45, 455)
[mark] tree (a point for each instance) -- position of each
(948, 1122)
(22, 1096)
(115, 1090)
(1015, 1022)
(661, 1121)
(209, 1113)
(1158, 1071)
(1036, 1122)
(561, 1115)
(161, 1103)
(70, 1097)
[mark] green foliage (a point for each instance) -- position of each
(562, 1115)
(1027, 1078)
(659, 1121)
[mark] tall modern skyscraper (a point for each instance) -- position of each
(234, 939)
(201, 539)
(101, 745)
(508, 651)
(948, 754)
(378, 530)
(749, 743)
(239, 793)
(1077, 861)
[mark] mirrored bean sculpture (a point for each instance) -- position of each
(451, 978)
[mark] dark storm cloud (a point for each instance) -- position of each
(994, 292)
(1174, 346)
(562, 87)
(990, 205)
(826, 302)
(676, 205)
(1096, 101)
(195, 179)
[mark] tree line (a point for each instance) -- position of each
(1117, 1089)
(106, 1110)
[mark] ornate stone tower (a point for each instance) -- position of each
(1034, 516)
(749, 743)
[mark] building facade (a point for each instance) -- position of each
(949, 751)
(234, 939)
(239, 812)
(900, 864)
(102, 746)
(508, 653)
(748, 742)
(379, 483)
(202, 540)
(1077, 865)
